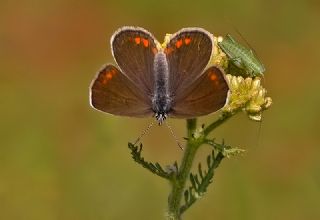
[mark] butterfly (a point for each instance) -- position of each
(150, 79)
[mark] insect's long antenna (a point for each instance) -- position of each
(174, 136)
(144, 132)
(259, 134)
(242, 37)
(245, 40)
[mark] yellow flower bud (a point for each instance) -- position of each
(257, 117)
(267, 103)
(247, 95)
(256, 83)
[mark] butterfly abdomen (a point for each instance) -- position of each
(161, 100)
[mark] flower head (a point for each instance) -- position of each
(247, 94)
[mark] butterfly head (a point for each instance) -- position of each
(161, 117)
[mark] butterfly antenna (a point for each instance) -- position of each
(144, 132)
(174, 136)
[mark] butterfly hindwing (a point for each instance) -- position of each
(112, 92)
(206, 95)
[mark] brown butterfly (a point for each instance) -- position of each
(152, 80)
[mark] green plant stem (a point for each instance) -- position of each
(179, 182)
(191, 126)
(202, 187)
(212, 126)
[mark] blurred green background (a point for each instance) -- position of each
(60, 159)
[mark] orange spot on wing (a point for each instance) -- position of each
(109, 76)
(179, 43)
(113, 72)
(187, 40)
(137, 40)
(145, 42)
(168, 50)
(213, 77)
(154, 50)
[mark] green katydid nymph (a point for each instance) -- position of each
(242, 59)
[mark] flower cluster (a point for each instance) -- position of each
(247, 94)
(219, 58)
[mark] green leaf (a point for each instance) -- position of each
(200, 171)
(226, 150)
(153, 168)
(186, 196)
(199, 186)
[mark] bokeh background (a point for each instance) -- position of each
(60, 159)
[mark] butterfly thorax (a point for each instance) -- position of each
(161, 101)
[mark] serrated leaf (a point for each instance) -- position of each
(199, 186)
(208, 161)
(196, 180)
(176, 165)
(193, 183)
(159, 167)
(200, 171)
(186, 196)
(154, 168)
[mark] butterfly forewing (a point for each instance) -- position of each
(112, 92)
(134, 50)
(206, 95)
(188, 53)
